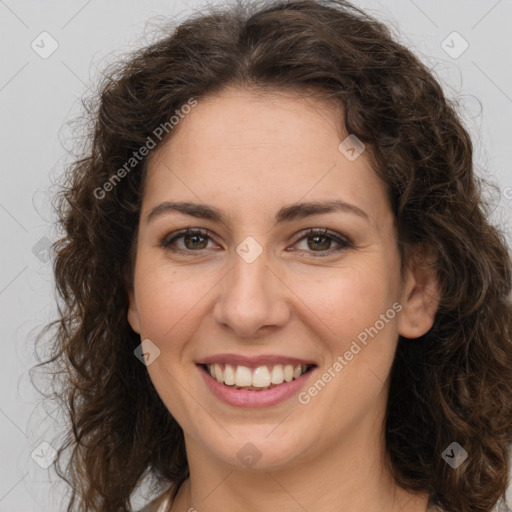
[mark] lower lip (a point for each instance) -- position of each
(246, 398)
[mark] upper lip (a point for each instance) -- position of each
(254, 361)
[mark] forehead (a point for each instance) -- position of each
(246, 152)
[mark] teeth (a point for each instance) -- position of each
(218, 373)
(288, 373)
(261, 377)
(229, 375)
(257, 378)
(243, 376)
(277, 374)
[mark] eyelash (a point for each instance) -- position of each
(343, 243)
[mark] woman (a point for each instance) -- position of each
(280, 289)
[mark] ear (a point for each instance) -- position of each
(420, 295)
(133, 313)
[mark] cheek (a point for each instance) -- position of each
(169, 299)
(350, 299)
(352, 312)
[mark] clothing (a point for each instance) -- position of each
(164, 506)
(153, 505)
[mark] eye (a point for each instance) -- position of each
(193, 240)
(320, 241)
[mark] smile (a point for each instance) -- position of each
(255, 379)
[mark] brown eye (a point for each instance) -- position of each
(320, 241)
(193, 240)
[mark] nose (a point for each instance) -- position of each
(252, 299)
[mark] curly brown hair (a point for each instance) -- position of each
(453, 383)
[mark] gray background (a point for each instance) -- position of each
(38, 98)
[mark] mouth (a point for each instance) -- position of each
(259, 378)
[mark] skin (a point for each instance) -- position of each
(249, 155)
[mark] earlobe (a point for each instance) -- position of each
(133, 314)
(421, 296)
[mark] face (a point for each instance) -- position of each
(251, 289)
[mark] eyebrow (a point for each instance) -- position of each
(285, 214)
